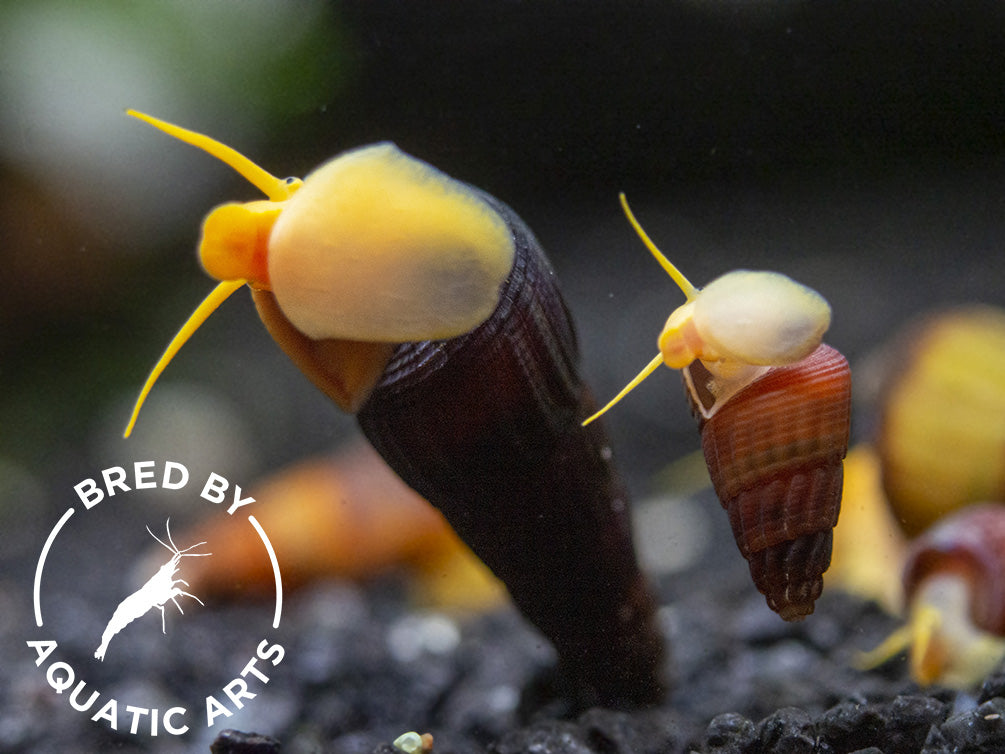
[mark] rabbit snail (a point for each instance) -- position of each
(773, 406)
(955, 599)
(428, 308)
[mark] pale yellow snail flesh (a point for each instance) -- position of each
(952, 584)
(943, 644)
(869, 546)
(738, 326)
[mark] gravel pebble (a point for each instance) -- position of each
(362, 667)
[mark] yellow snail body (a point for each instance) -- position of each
(429, 309)
(437, 275)
(941, 434)
(738, 323)
(773, 406)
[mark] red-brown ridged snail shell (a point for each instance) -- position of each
(773, 404)
(774, 451)
(970, 543)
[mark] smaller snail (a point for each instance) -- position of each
(954, 592)
(739, 325)
(773, 406)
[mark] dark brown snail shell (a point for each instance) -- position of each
(486, 426)
(970, 543)
(774, 452)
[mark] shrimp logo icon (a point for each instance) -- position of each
(119, 685)
(156, 592)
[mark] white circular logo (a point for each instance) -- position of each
(164, 590)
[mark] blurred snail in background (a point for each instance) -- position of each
(347, 516)
(428, 308)
(940, 476)
(954, 597)
(941, 435)
(773, 406)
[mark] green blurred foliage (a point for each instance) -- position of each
(100, 212)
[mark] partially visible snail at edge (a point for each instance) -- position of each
(954, 595)
(429, 308)
(773, 405)
(941, 433)
(940, 478)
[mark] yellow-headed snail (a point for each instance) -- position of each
(773, 406)
(429, 308)
(954, 595)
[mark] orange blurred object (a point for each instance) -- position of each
(344, 516)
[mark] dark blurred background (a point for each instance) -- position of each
(857, 146)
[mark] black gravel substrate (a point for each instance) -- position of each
(361, 667)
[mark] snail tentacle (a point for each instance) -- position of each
(209, 305)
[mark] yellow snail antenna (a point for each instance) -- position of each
(651, 367)
(277, 189)
(678, 277)
(207, 307)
